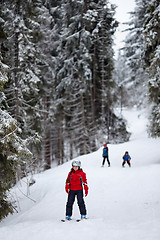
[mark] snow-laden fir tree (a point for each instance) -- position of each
(133, 54)
(102, 38)
(122, 79)
(46, 91)
(141, 54)
(25, 51)
(13, 150)
(151, 34)
(73, 75)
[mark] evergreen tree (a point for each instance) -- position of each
(133, 51)
(30, 69)
(141, 54)
(103, 64)
(73, 73)
(151, 33)
(122, 79)
(13, 150)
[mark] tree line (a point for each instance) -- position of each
(57, 92)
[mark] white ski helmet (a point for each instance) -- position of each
(76, 163)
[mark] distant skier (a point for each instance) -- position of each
(126, 158)
(75, 182)
(105, 155)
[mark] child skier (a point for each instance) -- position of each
(126, 158)
(105, 155)
(75, 182)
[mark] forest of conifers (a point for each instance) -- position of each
(60, 84)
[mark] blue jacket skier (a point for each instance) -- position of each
(126, 158)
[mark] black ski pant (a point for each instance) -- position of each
(80, 200)
(104, 158)
(124, 162)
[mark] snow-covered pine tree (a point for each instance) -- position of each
(121, 76)
(103, 63)
(28, 59)
(133, 53)
(142, 56)
(13, 150)
(46, 91)
(54, 123)
(73, 73)
(151, 33)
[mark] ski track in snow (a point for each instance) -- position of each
(122, 204)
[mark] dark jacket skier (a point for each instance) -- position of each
(105, 155)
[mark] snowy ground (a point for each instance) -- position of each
(123, 203)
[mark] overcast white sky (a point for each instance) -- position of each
(123, 7)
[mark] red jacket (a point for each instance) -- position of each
(76, 180)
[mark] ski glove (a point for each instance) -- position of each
(86, 190)
(67, 188)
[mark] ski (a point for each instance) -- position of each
(83, 219)
(77, 220)
(65, 220)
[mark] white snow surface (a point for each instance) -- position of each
(122, 204)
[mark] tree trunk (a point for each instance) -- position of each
(16, 62)
(83, 122)
(103, 87)
(47, 143)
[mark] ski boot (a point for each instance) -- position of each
(83, 217)
(68, 218)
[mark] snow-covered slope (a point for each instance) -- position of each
(122, 204)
